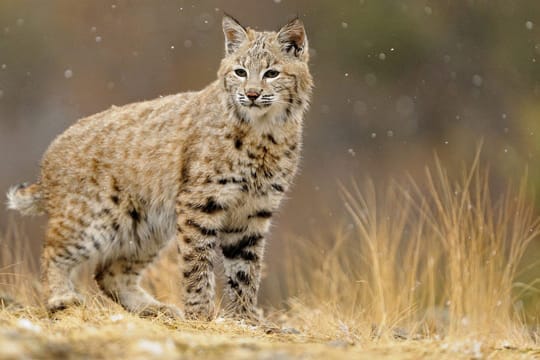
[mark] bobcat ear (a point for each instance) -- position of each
(293, 40)
(235, 34)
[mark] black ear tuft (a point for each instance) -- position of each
(235, 34)
(292, 38)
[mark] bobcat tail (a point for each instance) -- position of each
(28, 199)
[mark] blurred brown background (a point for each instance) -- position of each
(395, 81)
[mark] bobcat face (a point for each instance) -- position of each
(258, 87)
(261, 70)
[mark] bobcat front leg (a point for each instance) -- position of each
(242, 262)
(198, 225)
(243, 250)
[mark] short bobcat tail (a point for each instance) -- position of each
(28, 199)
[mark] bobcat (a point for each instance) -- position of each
(206, 168)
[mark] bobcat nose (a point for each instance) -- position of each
(252, 94)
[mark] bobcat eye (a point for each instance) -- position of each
(271, 74)
(240, 72)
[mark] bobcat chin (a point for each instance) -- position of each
(207, 169)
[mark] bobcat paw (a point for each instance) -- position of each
(161, 310)
(61, 302)
(250, 317)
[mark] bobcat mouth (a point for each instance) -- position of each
(249, 104)
(256, 106)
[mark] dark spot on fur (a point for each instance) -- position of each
(189, 273)
(271, 138)
(238, 143)
(278, 187)
(204, 231)
(243, 277)
(237, 250)
(249, 256)
(268, 173)
(184, 171)
(211, 206)
(233, 230)
(263, 214)
(116, 188)
(233, 284)
(135, 215)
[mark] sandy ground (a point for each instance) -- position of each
(109, 332)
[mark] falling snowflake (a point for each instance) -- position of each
(477, 80)
(68, 74)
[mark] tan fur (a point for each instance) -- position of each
(203, 167)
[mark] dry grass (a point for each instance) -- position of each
(418, 271)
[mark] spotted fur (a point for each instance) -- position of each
(206, 168)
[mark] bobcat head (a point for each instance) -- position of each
(265, 74)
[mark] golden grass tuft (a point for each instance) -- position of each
(414, 271)
(437, 262)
